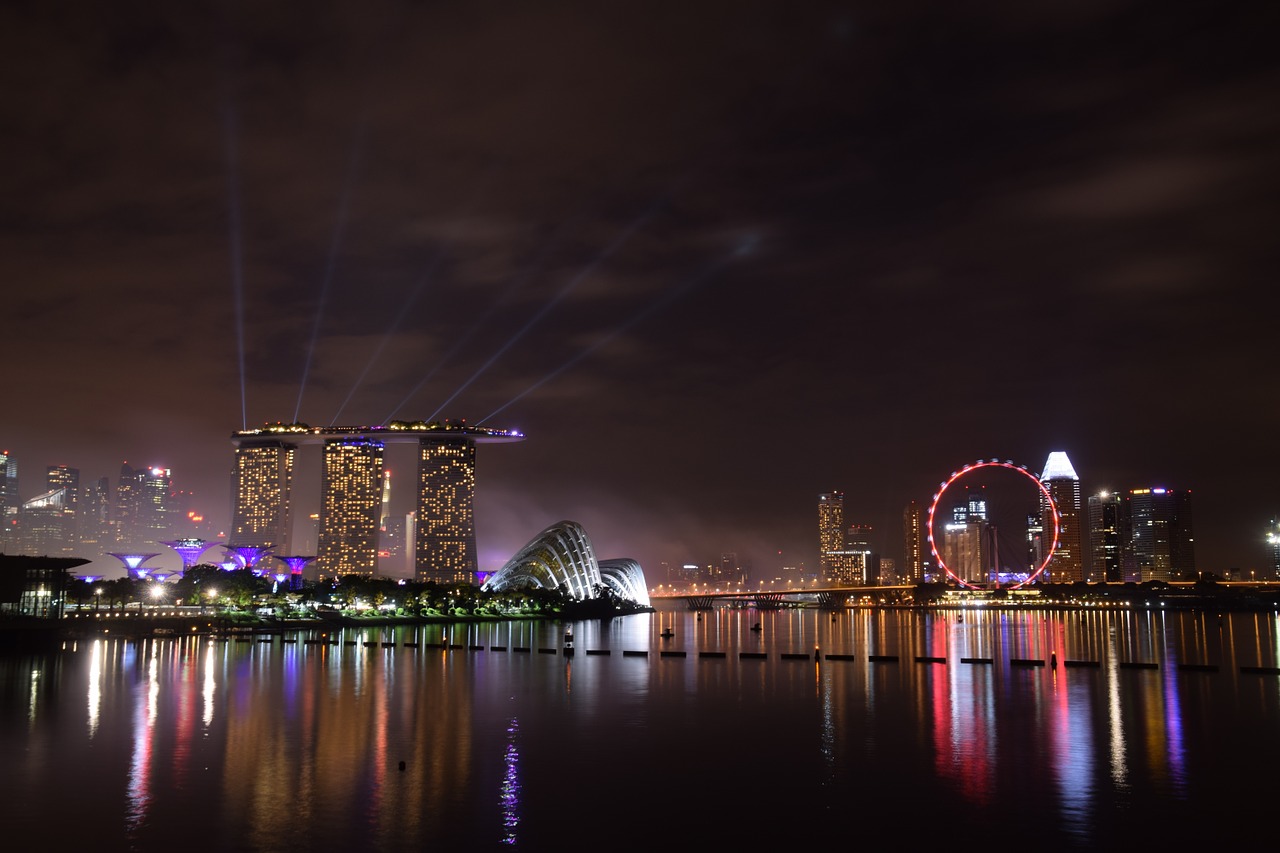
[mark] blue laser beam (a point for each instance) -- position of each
(230, 148)
(427, 275)
(617, 243)
(515, 287)
(335, 242)
(666, 299)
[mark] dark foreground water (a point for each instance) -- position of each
(936, 731)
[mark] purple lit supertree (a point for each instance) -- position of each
(296, 564)
(189, 550)
(249, 555)
(133, 563)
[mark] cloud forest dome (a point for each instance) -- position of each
(561, 557)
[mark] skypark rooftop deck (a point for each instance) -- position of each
(394, 432)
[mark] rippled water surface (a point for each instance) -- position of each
(1036, 729)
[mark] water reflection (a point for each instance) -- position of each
(511, 784)
(373, 746)
(147, 695)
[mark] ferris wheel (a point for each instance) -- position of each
(993, 463)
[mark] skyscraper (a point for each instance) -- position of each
(157, 512)
(966, 541)
(1103, 556)
(10, 503)
(445, 549)
(1273, 548)
(830, 531)
(350, 506)
(355, 500)
(1060, 480)
(855, 563)
(260, 494)
(47, 524)
(912, 543)
(63, 477)
(1158, 540)
(127, 506)
(93, 518)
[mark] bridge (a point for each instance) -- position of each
(826, 598)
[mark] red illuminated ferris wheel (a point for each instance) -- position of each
(994, 463)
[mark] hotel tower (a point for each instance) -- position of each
(352, 479)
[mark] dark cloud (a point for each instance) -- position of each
(712, 258)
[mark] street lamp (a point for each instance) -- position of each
(97, 598)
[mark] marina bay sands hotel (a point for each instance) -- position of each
(352, 479)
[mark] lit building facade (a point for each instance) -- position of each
(10, 503)
(261, 481)
(965, 545)
(445, 550)
(1060, 480)
(855, 564)
(1158, 542)
(93, 517)
(350, 506)
(356, 496)
(912, 543)
(64, 477)
(1273, 548)
(830, 531)
(145, 511)
(1106, 540)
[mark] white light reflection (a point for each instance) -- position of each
(1119, 765)
(210, 685)
(143, 731)
(95, 686)
(31, 701)
(511, 784)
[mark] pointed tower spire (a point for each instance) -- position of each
(1058, 467)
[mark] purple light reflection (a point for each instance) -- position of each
(510, 798)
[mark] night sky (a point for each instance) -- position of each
(713, 258)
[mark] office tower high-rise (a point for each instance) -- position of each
(912, 543)
(1060, 480)
(144, 506)
(261, 480)
(10, 503)
(93, 518)
(1158, 541)
(46, 526)
(888, 572)
(966, 542)
(854, 564)
(445, 548)
(157, 512)
(729, 570)
(350, 506)
(63, 477)
(830, 531)
(1103, 556)
(1273, 548)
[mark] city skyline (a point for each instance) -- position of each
(714, 261)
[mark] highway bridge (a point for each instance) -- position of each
(826, 598)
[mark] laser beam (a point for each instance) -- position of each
(335, 242)
(230, 148)
(617, 243)
(427, 275)
(516, 286)
(671, 296)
